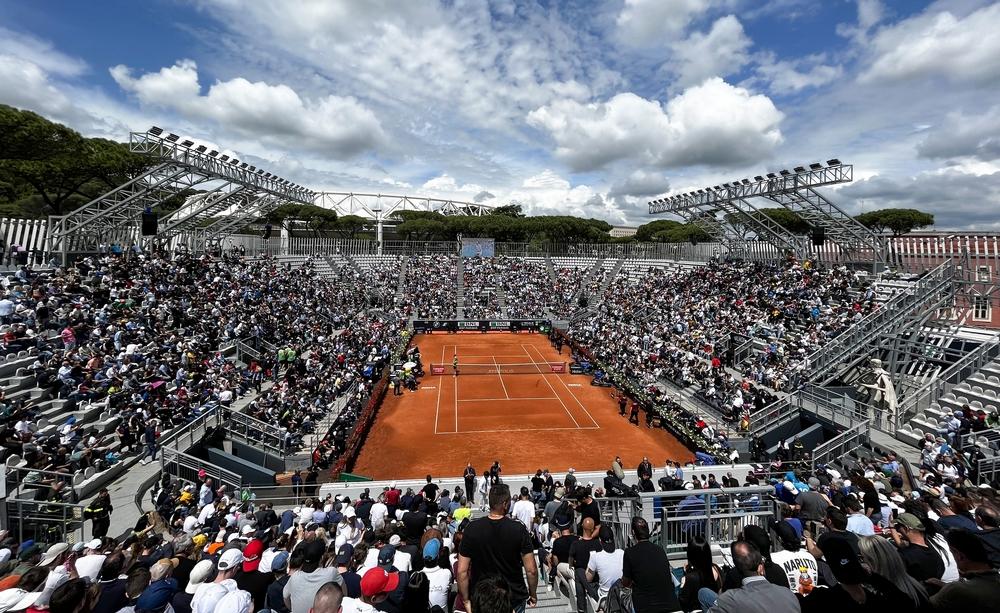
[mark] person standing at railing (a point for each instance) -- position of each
(149, 436)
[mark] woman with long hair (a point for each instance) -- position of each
(699, 573)
(883, 559)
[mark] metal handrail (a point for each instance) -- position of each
(256, 432)
(44, 521)
(842, 444)
(184, 466)
(937, 387)
(895, 308)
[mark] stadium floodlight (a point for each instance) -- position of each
(156, 131)
(172, 138)
(800, 169)
(243, 165)
(260, 171)
(186, 143)
(201, 149)
(213, 153)
(758, 178)
(234, 161)
(815, 166)
(253, 169)
(224, 158)
(771, 175)
(833, 162)
(746, 181)
(785, 173)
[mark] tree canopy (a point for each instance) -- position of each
(49, 169)
(897, 221)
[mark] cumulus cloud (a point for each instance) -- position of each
(483, 196)
(41, 53)
(445, 183)
(713, 123)
(25, 84)
(792, 76)
(957, 199)
(961, 135)
(717, 53)
(938, 44)
(652, 22)
(640, 184)
(340, 127)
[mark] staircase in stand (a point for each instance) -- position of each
(460, 289)
(598, 300)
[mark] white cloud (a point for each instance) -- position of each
(717, 53)
(647, 23)
(24, 84)
(445, 183)
(640, 184)
(276, 115)
(713, 123)
(547, 179)
(792, 76)
(40, 53)
(961, 135)
(870, 13)
(938, 44)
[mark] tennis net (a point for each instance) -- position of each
(524, 368)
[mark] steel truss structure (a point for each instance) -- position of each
(793, 190)
(379, 207)
(227, 195)
(243, 191)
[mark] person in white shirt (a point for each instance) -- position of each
(792, 557)
(350, 529)
(605, 566)
(209, 594)
(524, 510)
(378, 513)
(438, 579)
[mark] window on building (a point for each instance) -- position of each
(981, 308)
(983, 273)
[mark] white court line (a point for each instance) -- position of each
(518, 430)
(499, 376)
(455, 377)
(500, 399)
(437, 409)
(565, 408)
(592, 420)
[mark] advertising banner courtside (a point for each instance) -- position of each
(429, 326)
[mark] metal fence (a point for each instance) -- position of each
(180, 465)
(45, 522)
(842, 445)
(932, 391)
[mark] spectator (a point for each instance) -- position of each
(300, 591)
(757, 594)
(605, 566)
(647, 571)
(497, 544)
(979, 589)
(791, 558)
(882, 558)
(700, 572)
(922, 561)
(328, 598)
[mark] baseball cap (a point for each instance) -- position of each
(909, 521)
(94, 544)
(606, 534)
(844, 559)
(280, 562)
(230, 559)
(344, 554)
(162, 568)
(785, 531)
(312, 551)
(199, 574)
(251, 555)
(386, 555)
(377, 581)
(431, 549)
(52, 553)
(10, 597)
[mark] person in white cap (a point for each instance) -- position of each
(350, 529)
(199, 574)
(209, 594)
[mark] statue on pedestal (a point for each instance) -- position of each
(881, 394)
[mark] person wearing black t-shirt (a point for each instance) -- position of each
(646, 570)
(558, 561)
(587, 507)
(921, 560)
(579, 556)
(498, 545)
(430, 490)
(538, 488)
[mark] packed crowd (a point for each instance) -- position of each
(528, 289)
(670, 325)
(430, 286)
(136, 337)
(482, 278)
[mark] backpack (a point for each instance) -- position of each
(417, 593)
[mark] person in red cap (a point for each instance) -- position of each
(376, 586)
(251, 579)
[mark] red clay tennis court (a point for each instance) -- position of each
(513, 400)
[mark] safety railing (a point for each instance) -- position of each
(24, 482)
(836, 408)
(932, 391)
(988, 469)
(180, 465)
(45, 522)
(252, 431)
(743, 350)
(719, 515)
(190, 434)
(842, 445)
(890, 313)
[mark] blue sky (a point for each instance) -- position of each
(581, 108)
